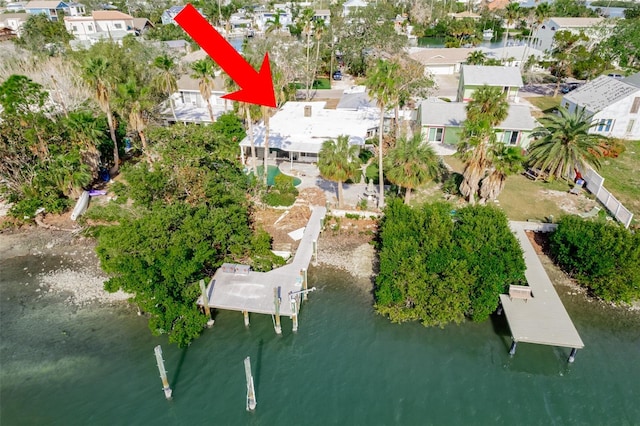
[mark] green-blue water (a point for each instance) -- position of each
(345, 366)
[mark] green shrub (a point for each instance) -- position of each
(352, 216)
(602, 256)
(452, 184)
(275, 199)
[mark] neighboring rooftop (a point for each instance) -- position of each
(478, 75)
(439, 113)
(601, 92)
(185, 82)
(633, 79)
(107, 15)
(440, 56)
(576, 22)
(354, 98)
(43, 4)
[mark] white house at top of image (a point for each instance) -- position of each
(613, 104)
(298, 130)
(543, 36)
(351, 5)
(13, 21)
(168, 16)
(102, 24)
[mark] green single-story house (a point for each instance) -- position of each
(441, 123)
(472, 77)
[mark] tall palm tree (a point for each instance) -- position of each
(411, 163)
(505, 160)
(338, 161)
(565, 144)
(85, 131)
(511, 14)
(96, 72)
(381, 83)
(477, 57)
(134, 103)
(266, 114)
(165, 80)
(274, 24)
(488, 108)
(203, 72)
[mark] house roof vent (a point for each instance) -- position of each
(307, 110)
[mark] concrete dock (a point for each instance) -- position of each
(254, 291)
(541, 319)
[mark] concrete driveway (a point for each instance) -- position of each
(447, 86)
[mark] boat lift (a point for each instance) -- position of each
(295, 305)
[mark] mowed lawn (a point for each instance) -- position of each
(622, 177)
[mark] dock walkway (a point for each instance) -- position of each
(542, 319)
(254, 292)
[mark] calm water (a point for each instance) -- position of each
(345, 366)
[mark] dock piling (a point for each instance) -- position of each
(294, 309)
(514, 345)
(246, 318)
(251, 392)
(205, 302)
(315, 251)
(572, 355)
(304, 282)
(276, 301)
(163, 373)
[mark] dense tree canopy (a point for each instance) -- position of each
(438, 266)
(189, 213)
(602, 256)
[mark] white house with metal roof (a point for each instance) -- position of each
(544, 34)
(102, 24)
(472, 77)
(612, 103)
(442, 123)
(298, 130)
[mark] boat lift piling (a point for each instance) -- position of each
(295, 304)
(251, 392)
(163, 373)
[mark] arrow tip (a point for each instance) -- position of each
(260, 90)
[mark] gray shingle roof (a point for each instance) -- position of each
(455, 113)
(633, 79)
(600, 93)
(477, 75)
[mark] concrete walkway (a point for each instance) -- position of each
(543, 318)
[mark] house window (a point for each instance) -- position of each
(511, 137)
(90, 27)
(553, 28)
(604, 125)
(566, 105)
(544, 27)
(436, 134)
(74, 29)
(630, 125)
(117, 26)
(636, 106)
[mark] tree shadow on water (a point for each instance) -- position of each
(176, 376)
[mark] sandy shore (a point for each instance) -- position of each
(79, 276)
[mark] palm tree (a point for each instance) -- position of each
(381, 83)
(540, 14)
(165, 81)
(411, 163)
(565, 144)
(338, 161)
(266, 113)
(505, 160)
(274, 25)
(511, 14)
(96, 73)
(477, 57)
(133, 103)
(85, 130)
(203, 72)
(488, 108)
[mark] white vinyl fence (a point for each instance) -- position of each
(595, 185)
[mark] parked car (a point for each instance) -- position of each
(337, 75)
(566, 88)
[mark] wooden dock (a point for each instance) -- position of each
(541, 317)
(251, 291)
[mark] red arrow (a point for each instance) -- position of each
(255, 87)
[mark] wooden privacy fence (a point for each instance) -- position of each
(595, 185)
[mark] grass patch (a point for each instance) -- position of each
(519, 198)
(321, 83)
(622, 177)
(545, 103)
